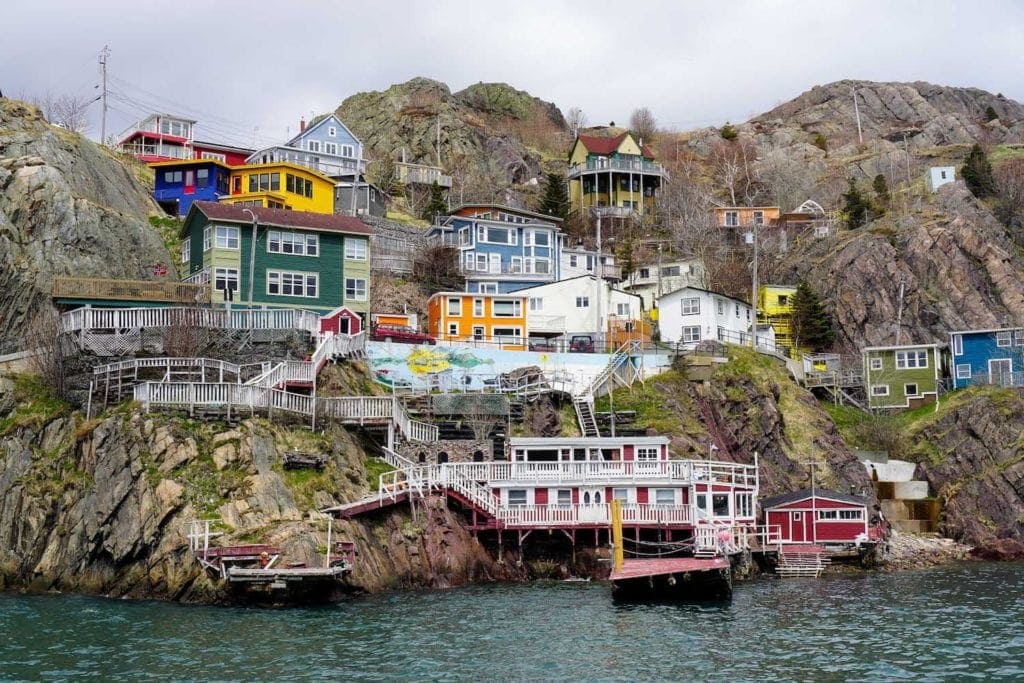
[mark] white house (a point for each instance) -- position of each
(690, 315)
(578, 261)
(652, 281)
(581, 305)
(939, 176)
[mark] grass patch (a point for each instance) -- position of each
(374, 468)
(35, 405)
(648, 402)
(169, 229)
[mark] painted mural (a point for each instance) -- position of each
(450, 368)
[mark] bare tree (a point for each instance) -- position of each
(51, 351)
(186, 336)
(576, 120)
(786, 181)
(643, 124)
(733, 166)
(437, 269)
(1010, 195)
(71, 112)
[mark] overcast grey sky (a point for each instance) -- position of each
(238, 65)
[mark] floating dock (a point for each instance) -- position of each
(682, 578)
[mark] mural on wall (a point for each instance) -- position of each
(453, 368)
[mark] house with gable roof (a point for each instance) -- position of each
(327, 146)
(614, 172)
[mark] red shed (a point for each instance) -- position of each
(817, 516)
(341, 321)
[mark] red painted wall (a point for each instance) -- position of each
(844, 531)
(540, 496)
(641, 494)
(627, 451)
(576, 496)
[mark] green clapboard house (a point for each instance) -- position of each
(898, 377)
(317, 262)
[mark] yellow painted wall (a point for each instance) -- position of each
(768, 299)
(322, 200)
(629, 146)
(746, 214)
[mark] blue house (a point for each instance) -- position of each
(502, 249)
(179, 183)
(988, 357)
(327, 146)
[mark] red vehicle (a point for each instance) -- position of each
(400, 335)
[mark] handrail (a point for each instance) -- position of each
(85, 319)
(129, 290)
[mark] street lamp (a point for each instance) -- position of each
(711, 450)
(252, 252)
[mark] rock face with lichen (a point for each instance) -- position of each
(67, 208)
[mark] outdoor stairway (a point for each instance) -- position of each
(583, 400)
(802, 560)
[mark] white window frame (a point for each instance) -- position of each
(661, 493)
(302, 243)
(478, 308)
(689, 305)
(454, 302)
(536, 303)
(355, 249)
(224, 235)
(358, 286)
(331, 148)
(876, 363)
(1004, 338)
(647, 453)
(916, 359)
(313, 145)
(583, 302)
(559, 493)
(963, 371)
(622, 309)
(453, 329)
(917, 390)
(690, 334)
(277, 278)
(879, 389)
(186, 250)
(732, 219)
(331, 131)
(348, 151)
(958, 345)
(523, 494)
(517, 308)
(228, 275)
(487, 287)
(207, 238)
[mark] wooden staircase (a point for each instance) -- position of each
(802, 561)
(585, 416)
(583, 400)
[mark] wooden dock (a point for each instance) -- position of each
(673, 579)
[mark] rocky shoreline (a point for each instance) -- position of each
(912, 551)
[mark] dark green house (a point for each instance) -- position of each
(318, 262)
(898, 377)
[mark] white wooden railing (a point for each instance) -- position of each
(86, 319)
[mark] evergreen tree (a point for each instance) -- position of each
(554, 201)
(977, 173)
(855, 207)
(990, 113)
(728, 132)
(810, 325)
(436, 206)
(881, 188)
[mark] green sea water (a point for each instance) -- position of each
(964, 622)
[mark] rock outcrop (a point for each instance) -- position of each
(972, 456)
(959, 266)
(67, 208)
(486, 123)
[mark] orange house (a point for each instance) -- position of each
(498, 319)
(745, 216)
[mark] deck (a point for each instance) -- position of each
(640, 568)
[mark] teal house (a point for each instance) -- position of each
(313, 261)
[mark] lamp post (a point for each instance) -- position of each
(252, 253)
(711, 450)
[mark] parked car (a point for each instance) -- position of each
(581, 343)
(541, 345)
(400, 335)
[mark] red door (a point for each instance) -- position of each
(190, 182)
(796, 527)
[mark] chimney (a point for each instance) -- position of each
(302, 125)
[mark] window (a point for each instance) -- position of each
(721, 306)
(720, 504)
(347, 151)
(664, 496)
(207, 238)
(911, 359)
(487, 287)
(876, 363)
(313, 145)
(691, 306)
(851, 514)
(454, 305)
(507, 308)
(583, 302)
(331, 148)
(478, 332)
(759, 218)
(508, 335)
(797, 516)
(958, 345)
(465, 237)
(355, 249)
(744, 505)
(572, 261)
(283, 283)
(225, 279)
(202, 177)
(495, 235)
(783, 299)
(910, 390)
(691, 334)
(296, 243)
(647, 453)
(880, 390)
(227, 238)
(186, 250)
(963, 371)
(541, 238)
(620, 494)
(213, 155)
(645, 273)
(1018, 337)
(355, 289)
(517, 496)
(478, 308)
(732, 218)
(563, 496)
(737, 307)
(622, 309)
(536, 303)
(670, 271)
(453, 329)
(1004, 338)
(516, 264)
(942, 174)
(331, 131)
(172, 176)
(828, 514)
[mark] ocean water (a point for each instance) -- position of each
(964, 622)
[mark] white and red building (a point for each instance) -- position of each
(818, 516)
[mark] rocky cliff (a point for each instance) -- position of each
(972, 455)
(490, 124)
(67, 207)
(960, 268)
(102, 506)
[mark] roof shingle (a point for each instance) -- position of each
(284, 218)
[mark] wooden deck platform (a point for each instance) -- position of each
(286, 575)
(636, 568)
(381, 500)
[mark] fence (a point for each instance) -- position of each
(87, 319)
(130, 290)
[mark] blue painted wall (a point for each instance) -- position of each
(505, 252)
(981, 347)
(167, 191)
(321, 131)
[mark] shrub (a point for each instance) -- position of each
(728, 132)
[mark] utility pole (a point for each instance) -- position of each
(104, 54)
(906, 151)
(439, 138)
(856, 110)
(899, 314)
(753, 295)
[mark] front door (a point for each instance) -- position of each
(190, 182)
(592, 504)
(343, 323)
(1000, 371)
(796, 527)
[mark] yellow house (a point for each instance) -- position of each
(745, 216)
(281, 185)
(775, 308)
(613, 171)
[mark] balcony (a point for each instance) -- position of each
(507, 269)
(411, 174)
(634, 165)
(546, 324)
(609, 472)
(166, 291)
(546, 516)
(158, 150)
